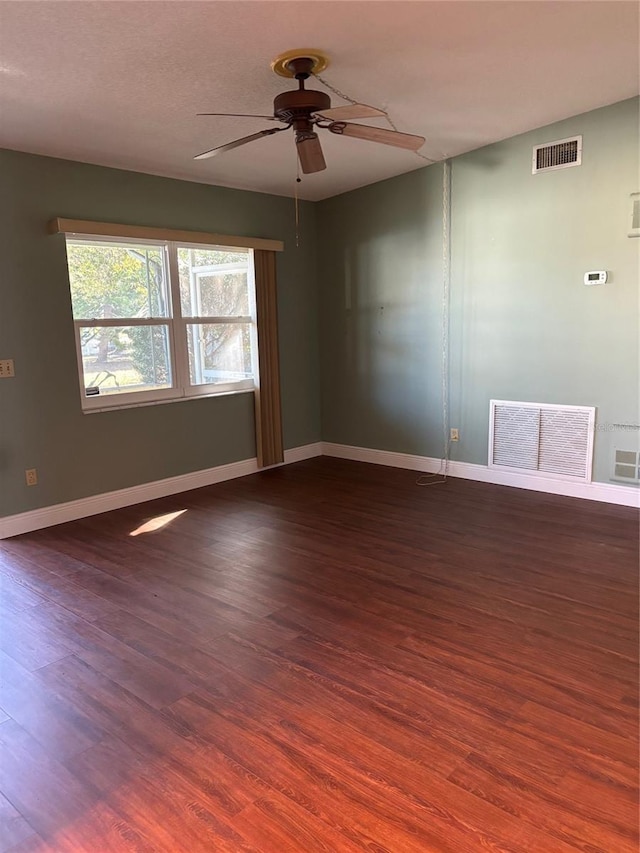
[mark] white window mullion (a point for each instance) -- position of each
(223, 321)
(121, 322)
(179, 351)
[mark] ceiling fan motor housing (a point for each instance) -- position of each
(300, 104)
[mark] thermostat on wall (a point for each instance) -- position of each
(596, 277)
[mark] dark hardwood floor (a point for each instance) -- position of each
(324, 657)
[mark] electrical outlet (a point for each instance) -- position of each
(454, 435)
(6, 368)
(31, 476)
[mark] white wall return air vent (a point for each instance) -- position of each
(542, 439)
(557, 155)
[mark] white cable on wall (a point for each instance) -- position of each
(442, 473)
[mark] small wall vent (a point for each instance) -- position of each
(542, 438)
(557, 155)
(626, 466)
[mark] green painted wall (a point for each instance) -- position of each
(41, 424)
(523, 326)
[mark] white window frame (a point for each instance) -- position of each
(176, 323)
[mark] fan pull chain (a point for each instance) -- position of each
(344, 97)
(296, 201)
(297, 216)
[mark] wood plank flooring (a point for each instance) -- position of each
(323, 657)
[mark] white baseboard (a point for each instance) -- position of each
(25, 522)
(604, 492)
(305, 451)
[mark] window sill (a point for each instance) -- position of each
(178, 399)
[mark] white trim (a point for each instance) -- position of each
(604, 492)
(227, 392)
(426, 464)
(24, 522)
(120, 322)
(300, 453)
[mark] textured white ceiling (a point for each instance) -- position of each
(119, 83)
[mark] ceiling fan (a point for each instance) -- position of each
(306, 110)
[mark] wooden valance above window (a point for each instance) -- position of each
(142, 232)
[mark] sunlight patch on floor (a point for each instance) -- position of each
(156, 523)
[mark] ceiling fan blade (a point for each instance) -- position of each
(310, 154)
(351, 111)
(238, 115)
(237, 143)
(378, 134)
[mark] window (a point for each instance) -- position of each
(160, 320)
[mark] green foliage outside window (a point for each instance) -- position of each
(121, 281)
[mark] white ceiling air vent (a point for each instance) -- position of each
(557, 155)
(542, 438)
